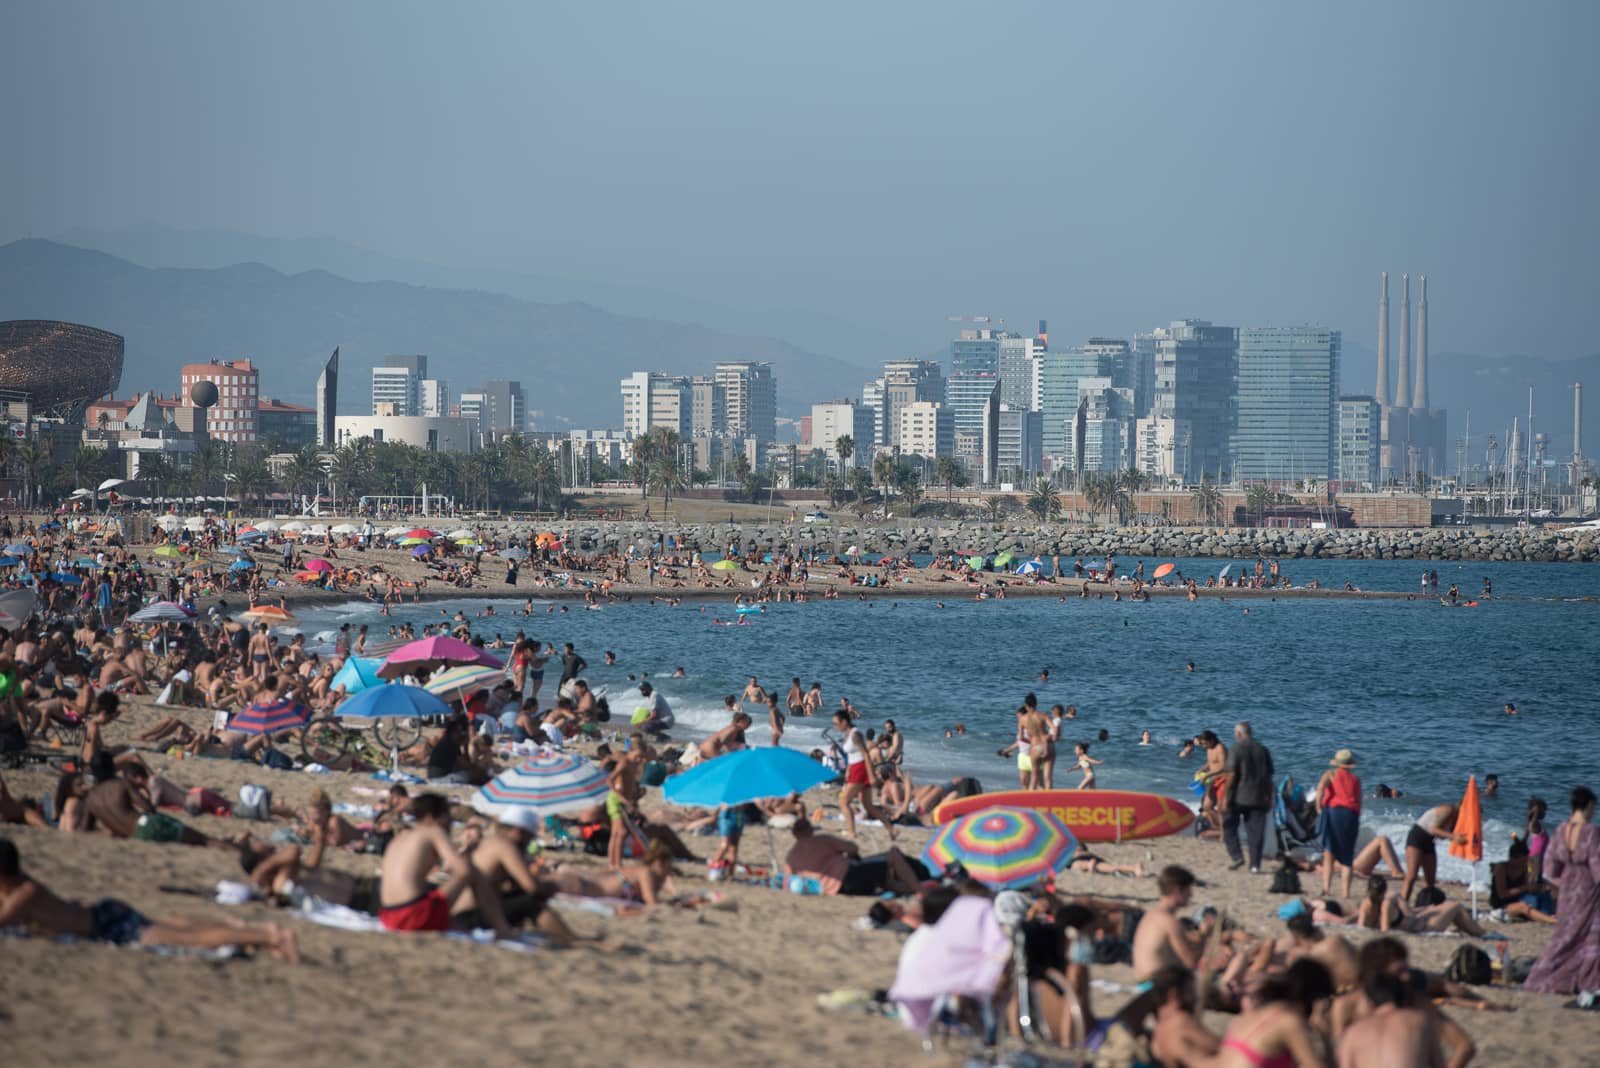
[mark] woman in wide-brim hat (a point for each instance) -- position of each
(1339, 818)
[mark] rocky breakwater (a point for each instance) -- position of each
(1571, 545)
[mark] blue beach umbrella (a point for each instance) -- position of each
(17, 548)
(9, 561)
(242, 565)
(357, 674)
(66, 578)
(391, 701)
(746, 775)
(271, 717)
(252, 535)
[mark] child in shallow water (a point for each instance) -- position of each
(1087, 764)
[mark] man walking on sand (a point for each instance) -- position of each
(1248, 797)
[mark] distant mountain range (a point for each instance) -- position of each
(569, 357)
(569, 354)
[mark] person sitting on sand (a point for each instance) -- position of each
(1395, 1030)
(1161, 939)
(1278, 1031)
(14, 811)
(838, 866)
(1305, 940)
(1380, 912)
(408, 900)
(1515, 889)
(72, 789)
(501, 859)
(1388, 957)
(29, 903)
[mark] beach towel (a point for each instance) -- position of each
(964, 954)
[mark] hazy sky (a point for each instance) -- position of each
(1108, 166)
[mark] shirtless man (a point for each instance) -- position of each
(586, 707)
(1305, 939)
(753, 692)
(501, 860)
(121, 807)
(1160, 939)
(1394, 1032)
(626, 791)
(1387, 956)
(728, 739)
(813, 700)
(408, 901)
(26, 902)
(796, 699)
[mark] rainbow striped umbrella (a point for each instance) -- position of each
(271, 717)
(1003, 848)
(457, 682)
(543, 785)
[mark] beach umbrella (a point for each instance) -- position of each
(724, 565)
(1032, 567)
(16, 608)
(546, 784)
(169, 551)
(52, 525)
(18, 548)
(514, 553)
(461, 532)
(746, 775)
(1004, 558)
(168, 522)
(162, 612)
(430, 654)
(1224, 572)
(408, 542)
(66, 578)
(457, 682)
(268, 613)
(318, 565)
(546, 538)
(1466, 841)
(252, 535)
(345, 528)
(9, 561)
(1003, 848)
(292, 527)
(267, 525)
(307, 576)
(420, 532)
(271, 717)
(85, 561)
(422, 550)
(357, 674)
(241, 565)
(316, 530)
(466, 541)
(975, 562)
(393, 702)
(1165, 569)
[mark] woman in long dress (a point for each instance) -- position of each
(1570, 962)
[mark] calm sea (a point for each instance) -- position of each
(1414, 688)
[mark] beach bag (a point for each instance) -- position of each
(602, 710)
(1470, 965)
(277, 759)
(255, 803)
(1285, 881)
(654, 773)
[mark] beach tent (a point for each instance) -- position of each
(357, 674)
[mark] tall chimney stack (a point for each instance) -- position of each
(1402, 382)
(1419, 392)
(1382, 392)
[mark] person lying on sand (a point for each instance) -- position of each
(121, 807)
(1381, 912)
(838, 865)
(1305, 940)
(643, 883)
(27, 902)
(15, 811)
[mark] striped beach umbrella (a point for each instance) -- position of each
(162, 612)
(268, 613)
(1003, 848)
(457, 682)
(543, 785)
(271, 717)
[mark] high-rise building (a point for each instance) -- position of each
(433, 397)
(233, 417)
(507, 407)
(1018, 372)
(908, 382)
(1013, 446)
(1161, 448)
(1287, 419)
(1103, 432)
(966, 393)
(1194, 384)
(651, 399)
(1059, 372)
(842, 418)
(474, 408)
(709, 407)
(927, 429)
(1359, 431)
(1126, 366)
(751, 394)
(327, 400)
(398, 382)
(284, 426)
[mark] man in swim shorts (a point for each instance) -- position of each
(407, 901)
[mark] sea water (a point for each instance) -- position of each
(1414, 688)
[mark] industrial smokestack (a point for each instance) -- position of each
(1419, 393)
(1402, 382)
(1382, 392)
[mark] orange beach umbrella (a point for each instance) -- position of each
(1467, 842)
(1165, 569)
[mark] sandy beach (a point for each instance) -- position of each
(708, 986)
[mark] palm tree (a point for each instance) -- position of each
(349, 467)
(845, 446)
(304, 472)
(33, 456)
(833, 486)
(908, 482)
(662, 468)
(252, 480)
(1044, 502)
(644, 454)
(949, 471)
(1099, 493)
(207, 457)
(994, 508)
(1208, 500)
(883, 470)
(861, 487)
(87, 464)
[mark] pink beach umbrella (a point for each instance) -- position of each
(429, 654)
(318, 565)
